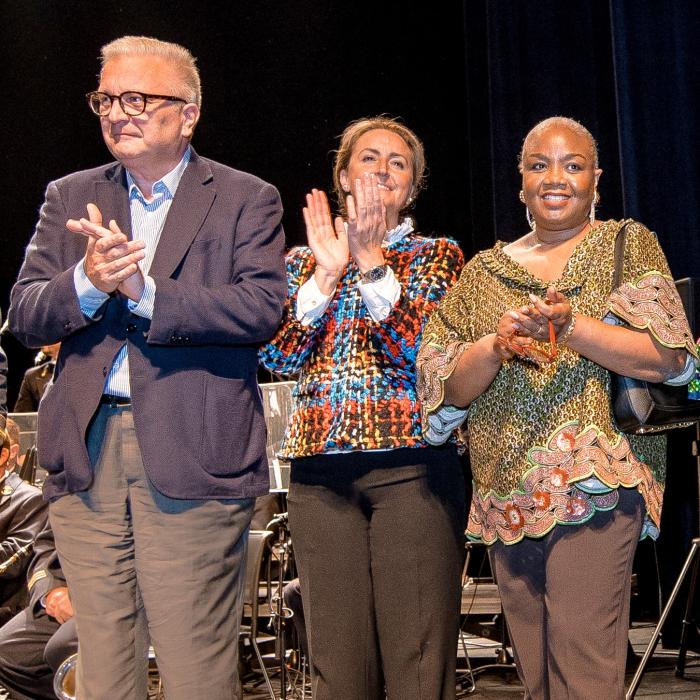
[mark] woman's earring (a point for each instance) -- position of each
(528, 215)
(591, 215)
(530, 220)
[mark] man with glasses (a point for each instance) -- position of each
(169, 276)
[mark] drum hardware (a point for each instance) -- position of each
(480, 596)
(64, 680)
(279, 614)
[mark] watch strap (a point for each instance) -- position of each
(375, 274)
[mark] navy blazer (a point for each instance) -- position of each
(23, 516)
(220, 289)
(44, 572)
(32, 387)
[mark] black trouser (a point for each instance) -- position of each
(379, 541)
(31, 650)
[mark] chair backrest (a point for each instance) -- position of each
(27, 471)
(257, 542)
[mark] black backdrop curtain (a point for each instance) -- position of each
(281, 80)
(547, 60)
(657, 68)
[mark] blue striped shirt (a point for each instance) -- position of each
(147, 220)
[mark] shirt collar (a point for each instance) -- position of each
(395, 234)
(399, 232)
(164, 188)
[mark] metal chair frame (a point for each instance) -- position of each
(257, 543)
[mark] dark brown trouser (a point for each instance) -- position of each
(566, 599)
(379, 540)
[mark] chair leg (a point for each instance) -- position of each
(688, 620)
(304, 667)
(467, 683)
(689, 562)
(270, 689)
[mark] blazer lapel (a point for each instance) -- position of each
(112, 199)
(193, 200)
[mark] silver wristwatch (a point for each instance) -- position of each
(375, 274)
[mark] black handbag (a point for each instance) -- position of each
(642, 407)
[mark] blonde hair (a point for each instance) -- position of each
(349, 138)
(566, 123)
(177, 55)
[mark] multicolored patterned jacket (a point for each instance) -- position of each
(357, 377)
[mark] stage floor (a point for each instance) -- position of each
(658, 682)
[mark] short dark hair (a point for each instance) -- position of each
(567, 123)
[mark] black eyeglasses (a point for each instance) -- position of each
(132, 103)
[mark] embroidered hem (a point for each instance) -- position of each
(552, 491)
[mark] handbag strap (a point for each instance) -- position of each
(619, 255)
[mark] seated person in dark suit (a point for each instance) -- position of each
(35, 642)
(23, 514)
(36, 378)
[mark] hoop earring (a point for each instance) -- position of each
(591, 215)
(530, 220)
(528, 215)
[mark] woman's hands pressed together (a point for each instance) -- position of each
(333, 244)
(366, 223)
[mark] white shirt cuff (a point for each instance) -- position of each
(90, 297)
(686, 374)
(442, 422)
(144, 306)
(311, 302)
(380, 297)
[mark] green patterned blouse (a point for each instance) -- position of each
(543, 444)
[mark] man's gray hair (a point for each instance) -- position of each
(177, 55)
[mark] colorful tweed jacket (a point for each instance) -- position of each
(543, 443)
(356, 377)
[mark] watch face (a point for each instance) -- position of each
(374, 274)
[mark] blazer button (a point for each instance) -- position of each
(131, 328)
